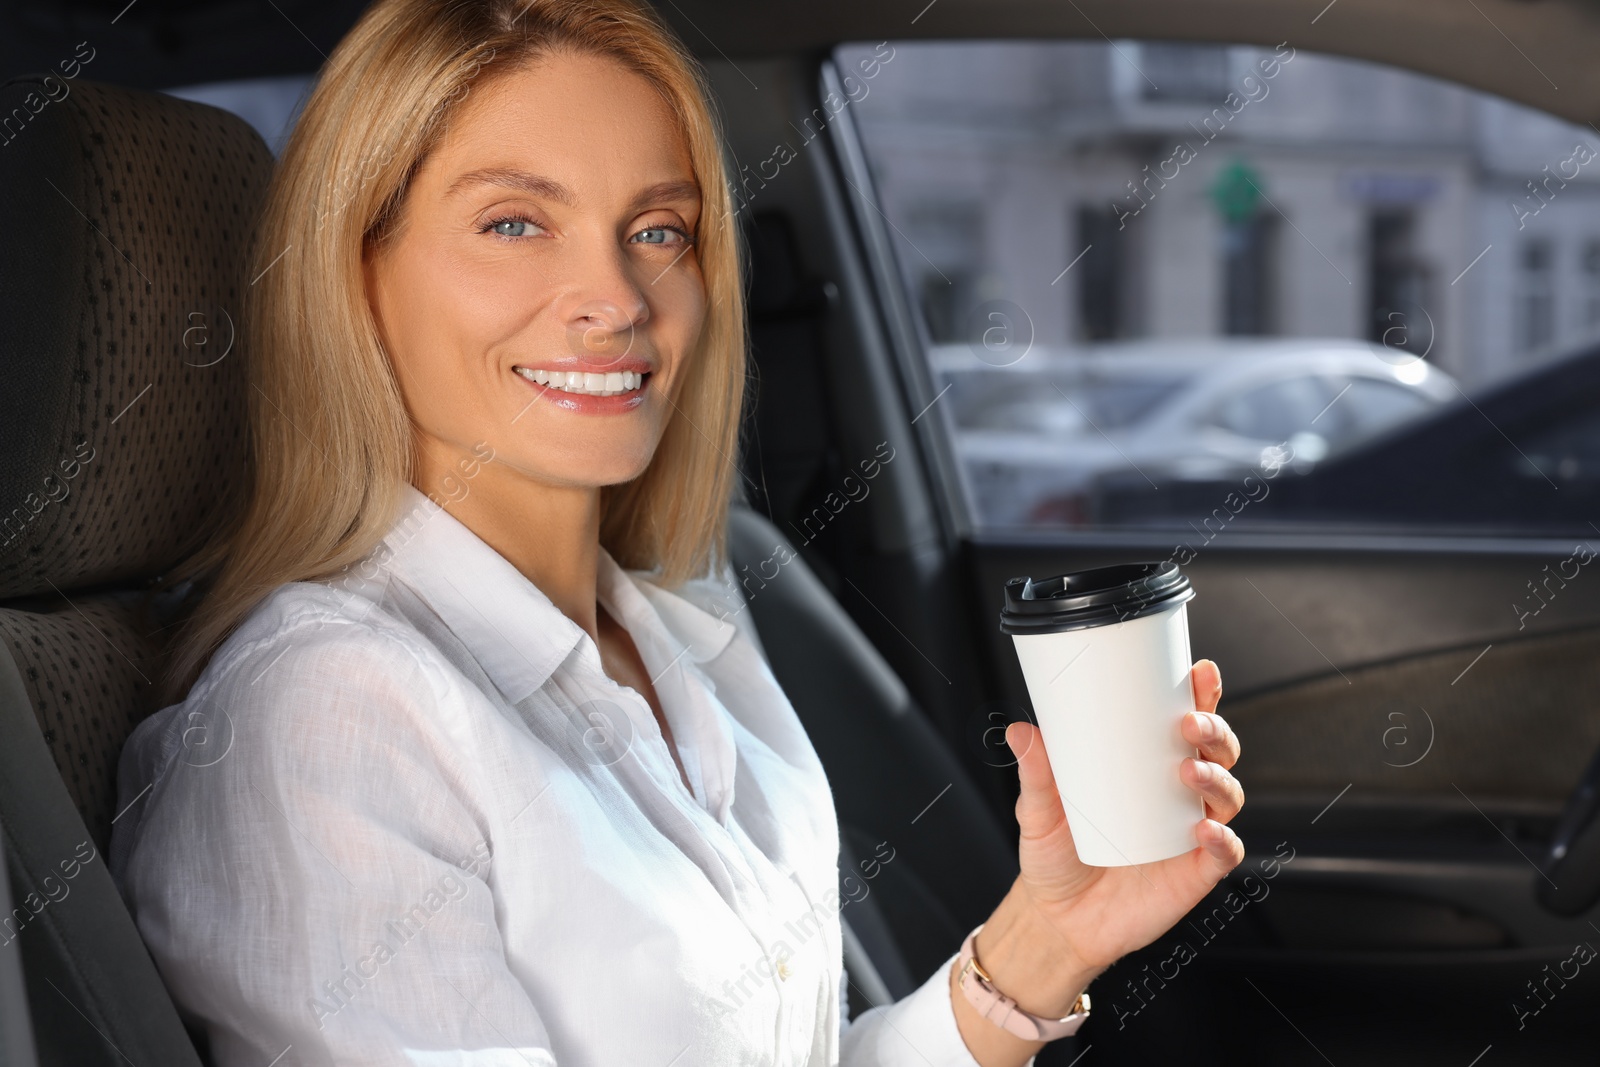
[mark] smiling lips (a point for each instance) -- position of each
(586, 383)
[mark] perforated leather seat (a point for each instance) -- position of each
(127, 217)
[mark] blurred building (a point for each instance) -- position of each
(1150, 189)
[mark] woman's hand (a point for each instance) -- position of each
(1063, 922)
(1103, 913)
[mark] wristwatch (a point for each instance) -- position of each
(1001, 1010)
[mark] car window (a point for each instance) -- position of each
(1385, 250)
(1377, 405)
(1275, 411)
(1059, 402)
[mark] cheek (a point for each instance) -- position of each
(466, 304)
(479, 295)
(439, 310)
(418, 342)
(679, 308)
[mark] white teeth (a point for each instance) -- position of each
(613, 383)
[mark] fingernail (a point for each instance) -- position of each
(1209, 731)
(1205, 771)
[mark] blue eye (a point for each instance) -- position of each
(657, 235)
(511, 227)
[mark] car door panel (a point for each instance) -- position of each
(1412, 747)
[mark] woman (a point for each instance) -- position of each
(470, 765)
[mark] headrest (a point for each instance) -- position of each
(127, 219)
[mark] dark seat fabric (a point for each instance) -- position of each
(937, 857)
(127, 218)
(790, 454)
(952, 863)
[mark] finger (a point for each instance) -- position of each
(1223, 794)
(1220, 849)
(1039, 809)
(1211, 734)
(1206, 679)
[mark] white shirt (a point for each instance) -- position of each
(404, 817)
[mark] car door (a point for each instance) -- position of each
(1410, 738)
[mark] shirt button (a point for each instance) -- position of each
(783, 970)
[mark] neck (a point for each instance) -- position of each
(550, 533)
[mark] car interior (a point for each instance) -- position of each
(1415, 698)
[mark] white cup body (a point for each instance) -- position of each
(1109, 701)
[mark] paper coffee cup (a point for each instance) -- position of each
(1105, 653)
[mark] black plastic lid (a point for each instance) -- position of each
(1096, 597)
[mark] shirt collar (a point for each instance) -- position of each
(516, 633)
(646, 608)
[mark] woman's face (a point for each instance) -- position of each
(542, 294)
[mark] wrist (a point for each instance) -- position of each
(1030, 960)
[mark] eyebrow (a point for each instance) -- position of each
(550, 189)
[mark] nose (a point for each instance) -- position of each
(601, 331)
(603, 316)
(606, 315)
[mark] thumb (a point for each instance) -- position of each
(1039, 809)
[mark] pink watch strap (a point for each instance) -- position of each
(1002, 1010)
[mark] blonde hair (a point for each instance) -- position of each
(330, 439)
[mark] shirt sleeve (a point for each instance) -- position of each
(320, 894)
(918, 1030)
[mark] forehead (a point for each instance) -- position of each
(583, 120)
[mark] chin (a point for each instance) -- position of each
(581, 468)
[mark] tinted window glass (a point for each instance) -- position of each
(1566, 452)
(1274, 411)
(1221, 257)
